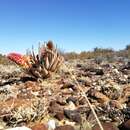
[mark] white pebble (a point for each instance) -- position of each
(51, 124)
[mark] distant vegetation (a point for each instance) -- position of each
(96, 53)
(107, 53)
(4, 60)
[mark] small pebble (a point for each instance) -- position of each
(106, 126)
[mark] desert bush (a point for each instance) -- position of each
(70, 55)
(5, 61)
(97, 52)
(127, 47)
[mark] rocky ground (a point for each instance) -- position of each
(57, 103)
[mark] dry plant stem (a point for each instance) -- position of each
(84, 95)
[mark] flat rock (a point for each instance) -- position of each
(39, 127)
(73, 115)
(106, 126)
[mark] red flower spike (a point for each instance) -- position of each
(19, 59)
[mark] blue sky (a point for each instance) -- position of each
(74, 25)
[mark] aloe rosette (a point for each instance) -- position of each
(40, 65)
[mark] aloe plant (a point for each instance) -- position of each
(40, 65)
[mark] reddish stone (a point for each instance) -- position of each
(56, 110)
(106, 126)
(59, 115)
(65, 127)
(125, 125)
(39, 127)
